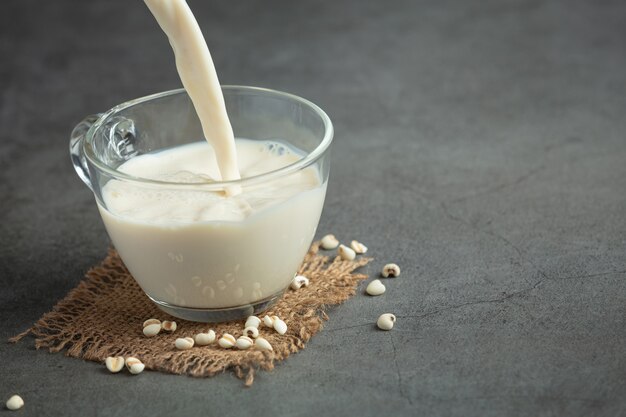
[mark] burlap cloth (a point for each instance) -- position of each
(103, 317)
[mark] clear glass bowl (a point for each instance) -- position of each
(209, 271)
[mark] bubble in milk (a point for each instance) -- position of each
(276, 148)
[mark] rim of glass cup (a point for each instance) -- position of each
(299, 165)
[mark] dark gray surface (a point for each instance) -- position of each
(481, 145)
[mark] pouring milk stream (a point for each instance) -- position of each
(197, 72)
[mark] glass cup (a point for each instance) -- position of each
(209, 271)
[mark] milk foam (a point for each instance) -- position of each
(196, 163)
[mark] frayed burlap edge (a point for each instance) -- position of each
(102, 317)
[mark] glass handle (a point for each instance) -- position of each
(76, 147)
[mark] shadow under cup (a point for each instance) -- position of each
(210, 270)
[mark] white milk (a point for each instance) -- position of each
(197, 72)
(190, 247)
(194, 248)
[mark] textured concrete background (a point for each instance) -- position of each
(481, 145)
